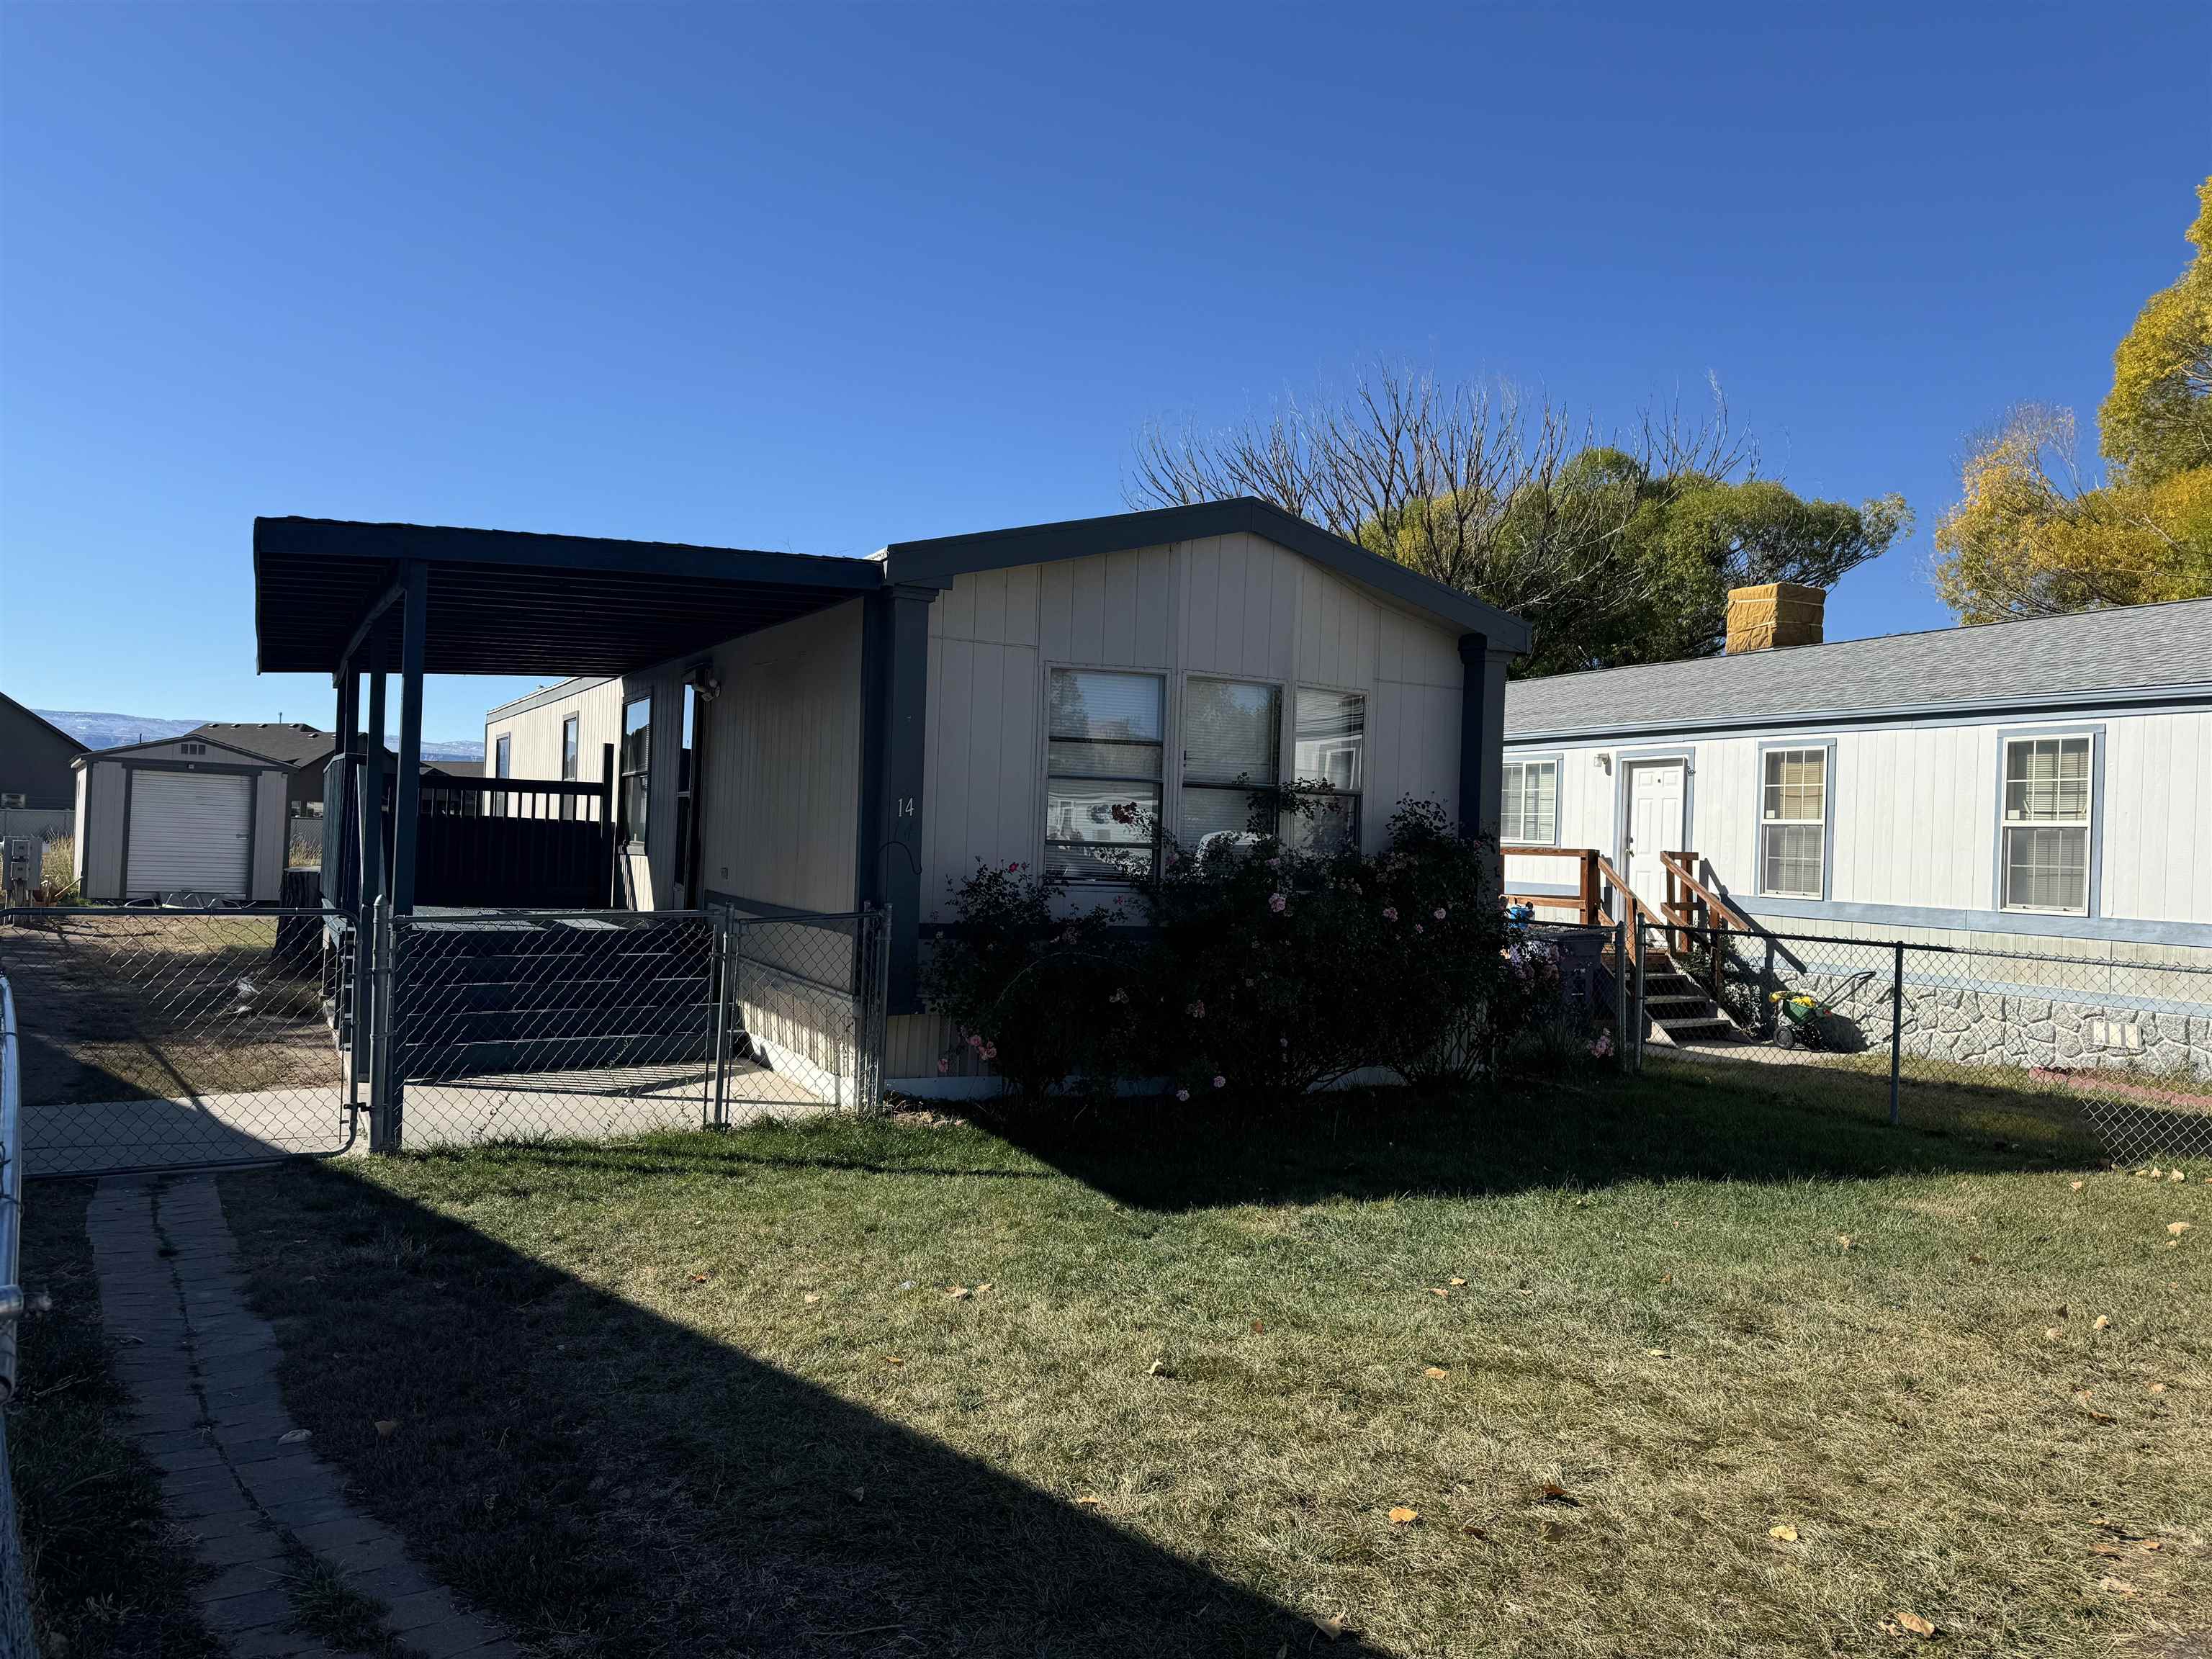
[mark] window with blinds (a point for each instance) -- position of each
(1102, 806)
(1232, 740)
(2048, 785)
(1793, 823)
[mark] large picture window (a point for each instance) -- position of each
(1529, 812)
(1102, 805)
(1330, 746)
(2045, 851)
(636, 765)
(1793, 823)
(502, 766)
(570, 751)
(1232, 744)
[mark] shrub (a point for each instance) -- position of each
(1043, 997)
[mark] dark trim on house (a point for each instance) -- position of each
(2035, 924)
(766, 909)
(123, 748)
(895, 733)
(938, 560)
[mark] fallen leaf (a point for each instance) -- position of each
(1258, 1330)
(698, 1278)
(385, 1428)
(2177, 1176)
(1437, 1290)
(2117, 1586)
(2052, 1335)
(1658, 1353)
(2158, 1388)
(960, 1293)
(893, 1359)
(2113, 1550)
(2101, 1322)
(1402, 1516)
(2153, 1543)
(1332, 1626)
(1434, 1370)
(1159, 1368)
(813, 1297)
(2079, 1185)
(984, 1286)
(1456, 1281)
(293, 1437)
(1473, 1531)
(1786, 1532)
(1915, 1623)
(1552, 1493)
(1979, 1260)
(2083, 1396)
(1665, 1279)
(1844, 1240)
(1091, 1499)
(2177, 1228)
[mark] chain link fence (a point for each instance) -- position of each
(2126, 1044)
(158, 1038)
(155, 1038)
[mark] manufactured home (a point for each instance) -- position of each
(2037, 788)
(791, 737)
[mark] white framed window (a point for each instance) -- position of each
(2044, 841)
(571, 750)
(502, 761)
(1329, 746)
(1104, 737)
(1232, 744)
(1793, 822)
(636, 765)
(1529, 813)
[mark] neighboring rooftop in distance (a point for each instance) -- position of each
(2125, 654)
(292, 742)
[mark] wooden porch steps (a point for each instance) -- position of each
(1680, 1009)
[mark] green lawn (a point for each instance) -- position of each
(720, 1394)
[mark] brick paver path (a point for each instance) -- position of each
(201, 1368)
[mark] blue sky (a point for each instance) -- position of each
(821, 277)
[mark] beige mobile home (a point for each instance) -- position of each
(996, 695)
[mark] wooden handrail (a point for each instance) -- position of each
(1677, 864)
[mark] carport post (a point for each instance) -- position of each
(406, 788)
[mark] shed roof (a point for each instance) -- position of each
(231, 750)
(293, 742)
(2126, 653)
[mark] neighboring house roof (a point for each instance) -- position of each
(936, 562)
(2134, 654)
(37, 718)
(455, 769)
(291, 742)
(229, 749)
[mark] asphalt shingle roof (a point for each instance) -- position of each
(2136, 648)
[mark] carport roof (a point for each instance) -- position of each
(510, 602)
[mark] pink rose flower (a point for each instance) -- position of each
(990, 1051)
(975, 1041)
(1418, 928)
(1390, 913)
(943, 1065)
(1440, 913)
(1220, 1082)
(1278, 903)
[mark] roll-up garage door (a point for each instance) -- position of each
(191, 832)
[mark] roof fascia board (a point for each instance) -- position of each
(938, 560)
(339, 538)
(1957, 711)
(573, 687)
(121, 749)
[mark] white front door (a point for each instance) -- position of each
(1656, 789)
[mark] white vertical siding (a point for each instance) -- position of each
(535, 734)
(781, 820)
(1236, 606)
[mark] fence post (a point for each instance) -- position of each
(1621, 992)
(1636, 922)
(370, 998)
(1896, 1026)
(725, 931)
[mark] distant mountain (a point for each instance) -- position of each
(96, 731)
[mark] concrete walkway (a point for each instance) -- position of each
(201, 1370)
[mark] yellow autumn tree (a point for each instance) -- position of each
(2028, 538)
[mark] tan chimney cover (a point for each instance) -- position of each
(1778, 614)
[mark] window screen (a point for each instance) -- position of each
(1232, 740)
(1330, 747)
(2047, 799)
(1102, 804)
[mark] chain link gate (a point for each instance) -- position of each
(161, 1039)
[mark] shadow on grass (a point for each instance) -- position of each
(610, 1482)
(1679, 1121)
